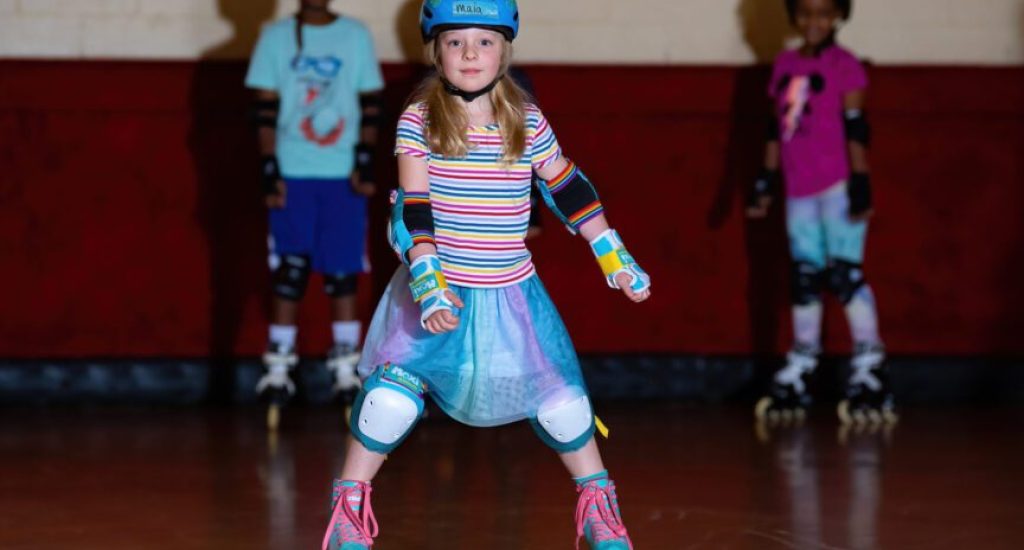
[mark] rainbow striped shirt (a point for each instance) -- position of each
(481, 207)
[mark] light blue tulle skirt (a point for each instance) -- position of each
(510, 352)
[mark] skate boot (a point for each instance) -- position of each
(788, 398)
(342, 361)
(275, 387)
(869, 399)
(597, 515)
(352, 526)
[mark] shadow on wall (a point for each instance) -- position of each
(765, 28)
(229, 203)
(246, 18)
(407, 29)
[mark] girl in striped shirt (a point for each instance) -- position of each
(467, 320)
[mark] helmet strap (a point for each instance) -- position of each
(468, 96)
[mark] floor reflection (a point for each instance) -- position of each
(820, 477)
(688, 478)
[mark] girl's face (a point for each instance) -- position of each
(471, 58)
(816, 19)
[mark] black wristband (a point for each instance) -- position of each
(270, 174)
(858, 189)
(365, 163)
(764, 187)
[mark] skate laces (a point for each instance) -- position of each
(342, 361)
(598, 506)
(358, 526)
(278, 360)
(799, 361)
(864, 363)
(342, 355)
(280, 355)
(276, 377)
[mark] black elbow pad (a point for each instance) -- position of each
(857, 128)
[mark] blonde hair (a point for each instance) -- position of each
(447, 120)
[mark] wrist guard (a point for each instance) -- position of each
(612, 257)
(270, 175)
(858, 189)
(765, 186)
(428, 287)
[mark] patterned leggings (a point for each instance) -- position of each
(821, 231)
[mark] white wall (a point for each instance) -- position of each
(987, 32)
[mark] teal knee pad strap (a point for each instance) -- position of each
(387, 408)
(559, 447)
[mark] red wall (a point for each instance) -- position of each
(132, 223)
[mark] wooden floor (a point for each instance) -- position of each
(688, 478)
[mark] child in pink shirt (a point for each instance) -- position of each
(819, 138)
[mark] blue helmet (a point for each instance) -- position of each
(438, 16)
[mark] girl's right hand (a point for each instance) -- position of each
(625, 281)
(277, 200)
(759, 210)
(442, 321)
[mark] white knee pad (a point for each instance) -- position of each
(566, 418)
(386, 415)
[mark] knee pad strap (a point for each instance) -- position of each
(844, 279)
(339, 286)
(387, 408)
(806, 283)
(291, 277)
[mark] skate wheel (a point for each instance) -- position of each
(348, 415)
(800, 415)
(761, 408)
(843, 435)
(762, 431)
(890, 417)
(787, 416)
(874, 417)
(843, 411)
(273, 417)
(272, 443)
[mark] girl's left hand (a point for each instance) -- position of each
(624, 281)
(366, 189)
(862, 217)
(443, 320)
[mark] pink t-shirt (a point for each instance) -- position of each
(808, 94)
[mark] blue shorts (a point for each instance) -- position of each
(324, 219)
